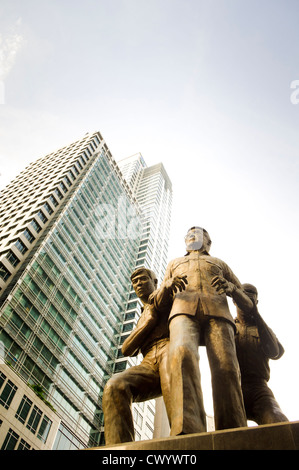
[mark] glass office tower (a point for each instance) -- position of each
(153, 190)
(70, 231)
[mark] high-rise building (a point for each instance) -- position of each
(68, 243)
(153, 190)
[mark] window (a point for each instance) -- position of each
(70, 173)
(120, 366)
(130, 315)
(150, 431)
(7, 394)
(63, 187)
(23, 445)
(74, 168)
(42, 217)
(45, 358)
(12, 258)
(138, 418)
(17, 322)
(53, 200)
(58, 193)
(133, 296)
(36, 226)
(44, 429)
(27, 234)
(67, 180)
(10, 441)
(48, 208)
(34, 419)
(123, 338)
(2, 378)
(127, 327)
(4, 273)
(23, 409)
(20, 246)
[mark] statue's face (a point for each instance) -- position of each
(143, 285)
(196, 240)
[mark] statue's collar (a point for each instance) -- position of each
(200, 253)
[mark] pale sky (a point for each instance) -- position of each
(204, 86)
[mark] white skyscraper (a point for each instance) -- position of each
(152, 189)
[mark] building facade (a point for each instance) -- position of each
(27, 422)
(152, 189)
(70, 231)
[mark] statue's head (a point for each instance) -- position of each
(144, 282)
(251, 291)
(198, 239)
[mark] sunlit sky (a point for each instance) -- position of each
(204, 86)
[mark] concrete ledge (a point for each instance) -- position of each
(279, 436)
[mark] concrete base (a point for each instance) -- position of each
(279, 436)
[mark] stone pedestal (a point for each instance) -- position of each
(279, 436)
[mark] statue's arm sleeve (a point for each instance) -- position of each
(162, 298)
(135, 340)
(269, 342)
(238, 295)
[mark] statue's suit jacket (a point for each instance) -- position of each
(200, 269)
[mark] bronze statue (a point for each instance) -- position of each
(149, 379)
(256, 344)
(200, 316)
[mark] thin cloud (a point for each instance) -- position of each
(10, 45)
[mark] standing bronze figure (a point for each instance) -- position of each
(200, 316)
(149, 379)
(256, 345)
